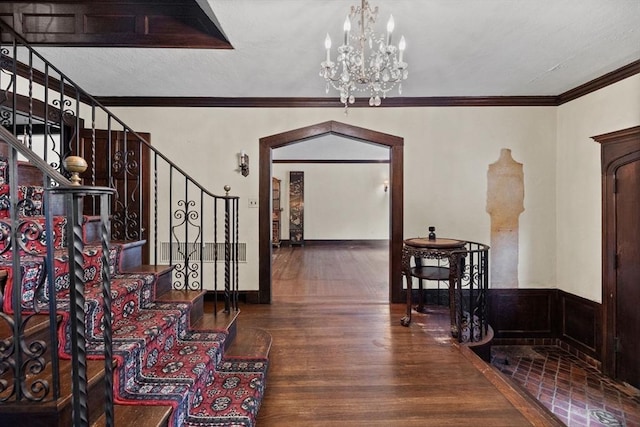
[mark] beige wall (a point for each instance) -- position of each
(341, 201)
(447, 152)
(579, 198)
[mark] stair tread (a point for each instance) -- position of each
(38, 322)
(180, 296)
(138, 415)
(130, 244)
(152, 269)
(220, 321)
(250, 343)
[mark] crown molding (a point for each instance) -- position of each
(600, 82)
(443, 101)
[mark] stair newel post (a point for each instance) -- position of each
(227, 252)
(80, 398)
(105, 229)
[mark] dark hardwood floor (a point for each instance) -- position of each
(347, 273)
(341, 358)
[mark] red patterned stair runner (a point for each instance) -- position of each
(160, 359)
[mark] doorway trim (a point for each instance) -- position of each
(396, 174)
(617, 148)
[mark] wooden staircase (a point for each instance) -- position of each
(251, 345)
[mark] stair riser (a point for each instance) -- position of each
(197, 310)
(163, 285)
(49, 415)
(130, 257)
(96, 392)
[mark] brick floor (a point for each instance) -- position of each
(578, 394)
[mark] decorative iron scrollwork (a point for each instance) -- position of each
(34, 389)
(185, 269)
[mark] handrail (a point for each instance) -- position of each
(33, 158)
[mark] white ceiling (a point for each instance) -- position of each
(454, 48)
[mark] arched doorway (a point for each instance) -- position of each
(396, 147)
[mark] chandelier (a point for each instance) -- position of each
(372, 64)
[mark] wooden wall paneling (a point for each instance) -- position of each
(580, 323)
(523, 313)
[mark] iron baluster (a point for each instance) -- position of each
(125, 190)
(139, 233)
(19, 377)
(171, 216)
(201, 241)
(80, 398)
(29, 141)
(14, 83)
(106, 304)
(236, 258)
(187, 252)
(215, 254)
(45, 148)
(79, 149)
(155, 208)
(51, 287)
(227, 257)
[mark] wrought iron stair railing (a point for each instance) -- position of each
(138, 193)
(23, 359)
(155, 200)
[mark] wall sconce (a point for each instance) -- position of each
(386, 185)
(243, 162)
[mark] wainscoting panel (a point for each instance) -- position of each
(547, 316)
(523, 313)
(581, 323)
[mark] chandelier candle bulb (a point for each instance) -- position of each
(347, 28)
(327, 45)
(390, 26)
(401, 47)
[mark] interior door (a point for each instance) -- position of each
(627, 304)
(122, 163)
